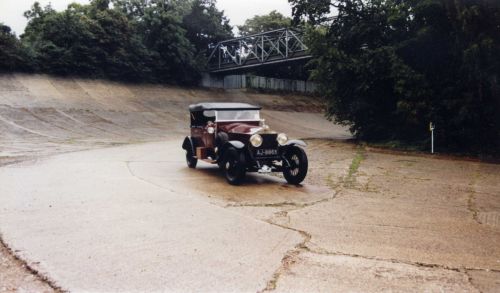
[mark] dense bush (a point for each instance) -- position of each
(389, 67)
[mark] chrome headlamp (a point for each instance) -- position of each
(256, 140)
(282, 139)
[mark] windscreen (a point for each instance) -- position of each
(238, 115)
(202, 118)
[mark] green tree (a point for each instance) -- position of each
(91, 40)
(206, 25)
(120, 51)
(133, 40)
(159, 24)
(262, 23)
(390, 67)
(59, 40)
(12, 54)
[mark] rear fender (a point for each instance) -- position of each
(189, 145)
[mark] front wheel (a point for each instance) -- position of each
(296, 165)
(233, 166)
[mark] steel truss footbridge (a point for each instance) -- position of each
(278, 46)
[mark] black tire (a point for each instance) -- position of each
(190, 159)
(295, 170)
(220, 163)
(220, 140)
(234, 166)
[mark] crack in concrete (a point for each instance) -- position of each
(289, 259)
(471, 282)
(471, 201)
(31, 270)
(284, 204)
(347, 182)
(350, 179)
(127, 163)
(322, 251)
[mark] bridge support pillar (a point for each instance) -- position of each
(212, 81)
(257, 82)
(224, 82)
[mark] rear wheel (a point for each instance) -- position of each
(233, 166)
(295, 169)
(190, 159)
(220, 140)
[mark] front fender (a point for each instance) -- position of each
(189, 145)
(295, 142)
(291, 143)
(236, 144)
(232, 143)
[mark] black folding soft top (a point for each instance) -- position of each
(222, 106)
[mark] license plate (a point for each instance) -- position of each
(267, 152)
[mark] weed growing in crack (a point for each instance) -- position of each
(349, 180)
(471, 201)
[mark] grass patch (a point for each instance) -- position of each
(399, 146)
(354, 167)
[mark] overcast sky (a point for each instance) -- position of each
(11, 11)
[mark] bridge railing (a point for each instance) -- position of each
(254, 50)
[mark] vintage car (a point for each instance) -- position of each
(234, 136)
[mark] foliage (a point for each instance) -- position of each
(159, 24)
(90, 40)
(140, 40)
(389, 67)
(12, 54)
(206, 25)
(262, 23)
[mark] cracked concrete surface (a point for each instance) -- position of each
(392, 223)
(127, 234)
(318, 273)
(95, 196)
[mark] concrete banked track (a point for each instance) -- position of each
(145, 228)
(40, 115)
(95, 196)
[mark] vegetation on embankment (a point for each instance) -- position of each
(387, 67)
(390, 67)
(154, 40)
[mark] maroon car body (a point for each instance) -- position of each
(234, 136)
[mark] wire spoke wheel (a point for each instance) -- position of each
(296, 165)
(234, 166)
